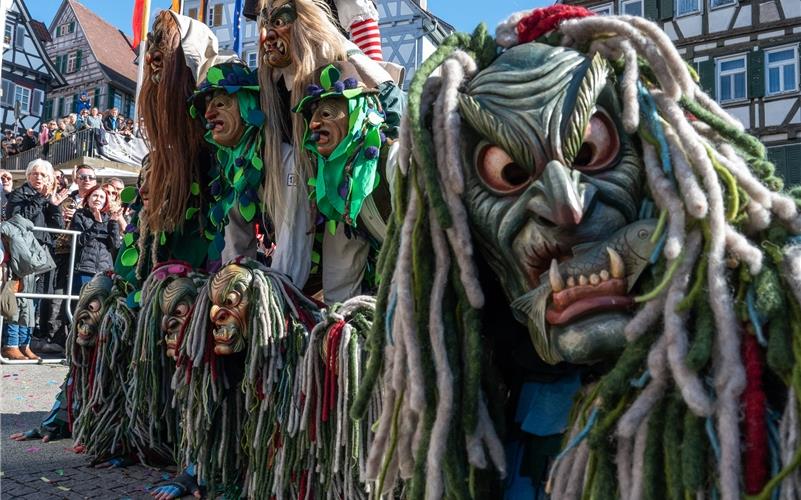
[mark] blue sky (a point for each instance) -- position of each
(463, 14)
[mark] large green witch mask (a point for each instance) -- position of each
(553, 185)
(228, 103)
(343, 131)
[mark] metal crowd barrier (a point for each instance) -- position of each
(68, 297)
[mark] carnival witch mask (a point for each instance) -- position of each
(176, 308)
(229, 292)
(343, 130)
(222, 116)
(89, 312)
(553, 188)
(275, 33)
(227, 101)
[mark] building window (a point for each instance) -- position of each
(117, 101)
(72, 59)
(9, 34)
(191, 13)
(215, 15)
(781, 68)
(253, 59)
(603, 10)
(720, 3)
(65, 29)
(731, 73)
(684, 7)
(22, 95)
(631, 7)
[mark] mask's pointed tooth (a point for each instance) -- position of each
(555, 277)
(616, 266)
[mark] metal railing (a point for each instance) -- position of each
(67, 296)
(68, 148)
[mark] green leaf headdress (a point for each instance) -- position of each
(350, 173)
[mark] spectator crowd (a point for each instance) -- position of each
(50, 198)
(86, 117)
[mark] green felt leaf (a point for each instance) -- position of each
(195, 189)
(128, 239)
(238, 175)
(329, 75)
(315, 257)
(331, 226)
(248, 211)
(163, 239)
(257, 162)
(193, 112)
(214, 76)
(191, 211)
(209, 235)
(128, 195)
(350, 93)
(312, 181)
(129, 257)
(138, 297)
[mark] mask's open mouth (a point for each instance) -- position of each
(580, 295)
(225, 334)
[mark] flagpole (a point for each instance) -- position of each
(140, 73)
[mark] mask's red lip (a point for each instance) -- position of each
(586, 306)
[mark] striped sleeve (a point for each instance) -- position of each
(366, 35)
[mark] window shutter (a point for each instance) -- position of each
(777, 157)
(48, 110)
(19, 36)
(72, 27)
(78, 60)
(756, 72)
(706, 77)
(96, 99)
(36, 102)
(651, 9)
(8, 93)
(792, 166)
(64, 63)
(58, 64)
(665, 10)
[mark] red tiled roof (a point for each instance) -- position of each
(40, 30)
(110, 46)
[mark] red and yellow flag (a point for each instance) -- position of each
(141, 18)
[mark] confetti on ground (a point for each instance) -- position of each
(63, 488)
(52, 382)
(44, 479)
(20, 398)
(33, 449)
(60, 472)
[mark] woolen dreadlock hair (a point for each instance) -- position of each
(315, 41)
(718, 196)
(176, 142)
(720, 206)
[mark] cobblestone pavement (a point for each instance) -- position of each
(36, 470)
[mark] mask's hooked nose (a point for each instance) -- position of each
(561, 198)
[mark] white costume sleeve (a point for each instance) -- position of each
(293, 245)
(353, 11)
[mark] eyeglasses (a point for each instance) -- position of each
(5, 177)
(87, 177)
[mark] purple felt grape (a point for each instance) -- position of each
(371, 152)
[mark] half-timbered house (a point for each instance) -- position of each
(28, 73)
(95, 58)
(746, 53)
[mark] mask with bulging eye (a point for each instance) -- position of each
(90, 309)
(552, 190)
(176, 308)
(229, 294)
(276, 33)
(164, 28)
(329, 124)
(223, 118)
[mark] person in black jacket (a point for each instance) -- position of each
(34, 201)
(99, 239)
